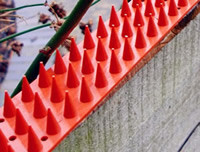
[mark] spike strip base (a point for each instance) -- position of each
(83, 109)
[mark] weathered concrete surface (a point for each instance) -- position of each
(155, 110)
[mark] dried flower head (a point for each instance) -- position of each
(57, 9)
(44, 18)
(16, 46)
(89, 24)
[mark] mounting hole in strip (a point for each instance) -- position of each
(44, 138)
(2, 120)
(12, 138)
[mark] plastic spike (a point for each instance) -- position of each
(39, 108)
(136, 3)
(34, 143)
(44, 79)
(9, 107)
(53, 126)
(115, 66)
(10, 149)
(88, 40)
(56, 92)
(162, 19)
(74, 52)
(69, 109)
(125, 9)
(87, 67)
(72, 79)
(159, 3)
(27, 93)
(182, 3)
(138, 20)
(173, 10)
(101, 80)
(60, 67)
(3, 142)
(114, 40)
(152, 30)
(101, 54)
(85, 93)
(21, 126)
(114, 20)
(101, 29)
(128, 51)
(140, 41)
(149, 10)
(126, 30)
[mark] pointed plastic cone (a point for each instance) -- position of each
(128, 51)
(159, 3)
(21, 126)
(9, 108)
(114, 40)
(101, 54)
(53, 126)
(101, 80)
(74, 52)
(152, 30)
(34, 143)
(59, 67)
(87, 67)
(69, 109)
(72, 79)
(88, 40)
(56, 92)
(140, 40)
(27, 93)
(138, 20)
(162, 19)
(149, 10)
(114, 20)
(44, 79)
(173, 10)
(10, 149)
(182, 3)
(39, 108)
(4, 142)
(136, 3)
(125, 9)
(85, 93)
(115, 66)
(101, 29)
(126, 30)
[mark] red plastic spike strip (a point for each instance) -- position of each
(48, 109)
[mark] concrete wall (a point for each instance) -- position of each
(155, 110)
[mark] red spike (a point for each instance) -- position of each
(9, 108)
(56, 92)
(101, 29)
(39, 108)
(101, 80)
(162, 19)
(87, 67)
(3, 142)
(149, 11)
(88, 40)
(138, 20)
(10, 149)
(34, 143)
(27, 93)
(114, 20)
(74, 52)
(173, 10)
(114, 40)
(101, 52)
(60, 67)
(44, 79)
(85, 94)
(128, 51)
(69, 109)
(140, 40)
(159, 3)
(115, 66)
(137, 3)
(152, 30)
(182, 3)
(21, 126)
(72, 79)
(53, 126)
(125, 9)
(126, 30)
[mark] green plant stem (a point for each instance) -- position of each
(72, 20)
